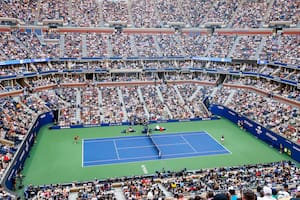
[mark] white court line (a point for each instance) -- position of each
(117, 138)
(178, 134)
(116, 148)
(91, 140)
(160, 145)
(164, 136)
(189, 144)
(196, 153)
(218, 142)
(121, 159)
(82, 146)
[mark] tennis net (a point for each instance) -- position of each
(155, 145)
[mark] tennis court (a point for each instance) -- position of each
(157, 146)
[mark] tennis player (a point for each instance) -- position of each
(222, 139)
(76, 138)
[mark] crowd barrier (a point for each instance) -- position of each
(129, 123)
(273, 139)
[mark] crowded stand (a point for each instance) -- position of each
(195, 11)
(154, 105)
(7, 86)
(285, 11)
(142, 14)
(219, 11)
(111, 105)
(57, 9)
(93, 41)
(73, 45)
(222, 46)
(134, 103)
(34, 103)
(90, 190)
(279, 178)
(252, 16)
(15, 70)
(115, 11)
(51, 100)
(37, 82)
(279, 117)
(31, 43)
(145, 188)
(270, 87)
(221, 180)
(177, 106)
(89, 106)
(67, 115)
(24, 98)
(121, 45)
(195, 44)
(257, 83)
(23, 10)
(191, 93)
(88, 10)
(283, 48)
(145, 46)
(50, 43)
(169, 45)
(170, 11)
(247, 47)
(15, 121)
(10, 47)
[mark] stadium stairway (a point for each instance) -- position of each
(199, 87)
(109, 47)
(125, 117)
(169, 195)
(73, 196)
(17, 99)
(178, 44)
(78, 103)
(215, 90)
(261, 46)
(232, 50)
(84, 48)
(20, 43)
(119, 194)
(53, 92)
(240, 6)
(182, 100)
(159, 94)
(100, 104)
(129, 12)
(178, 94)
(143, 102)
(2, 54)
(100, 5)
(166, 108)
(33, 67)
(62, 45)
(267, 14)
(228, 100)
(210, 46)
(133, 45)
(158, 50)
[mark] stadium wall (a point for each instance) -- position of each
(129, 123)
(23, 152)
(273, 139)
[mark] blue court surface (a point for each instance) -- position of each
(140, 148)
